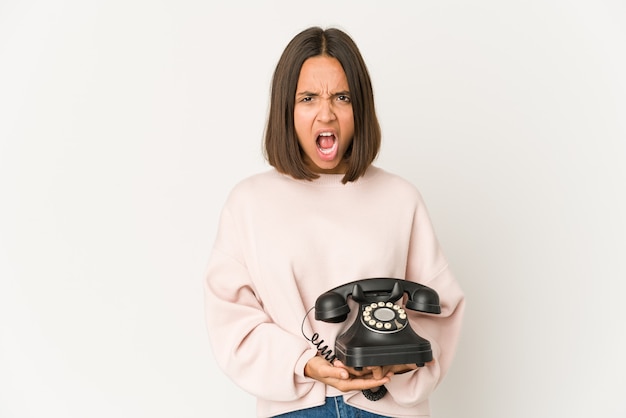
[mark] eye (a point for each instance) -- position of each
(343, 98)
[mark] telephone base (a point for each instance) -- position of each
(359, 357)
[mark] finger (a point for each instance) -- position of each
(319, 368)
(351, 370)
(338, 363)
(336, 372)
(360, 384)
(377, 373)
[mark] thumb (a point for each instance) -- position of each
(337, 370)
(317, 368)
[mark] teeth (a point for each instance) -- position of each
(326, 134)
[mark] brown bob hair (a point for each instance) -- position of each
(282, 149)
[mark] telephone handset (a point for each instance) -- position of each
(381, 334)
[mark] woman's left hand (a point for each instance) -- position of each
(376, 372)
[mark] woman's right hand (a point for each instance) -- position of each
(340, 377)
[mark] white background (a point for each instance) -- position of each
(124, 124)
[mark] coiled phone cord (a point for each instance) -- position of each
(328, 355)
(324, 351)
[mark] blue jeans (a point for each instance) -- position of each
(333, 408)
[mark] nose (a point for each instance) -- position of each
(326, 113)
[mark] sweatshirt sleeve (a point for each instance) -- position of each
(427, 265)
(254, 352)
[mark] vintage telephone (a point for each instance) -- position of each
(381, 334)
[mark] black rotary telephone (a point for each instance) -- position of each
(381, 334)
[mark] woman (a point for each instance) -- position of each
(321, 217)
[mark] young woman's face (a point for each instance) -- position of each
(323, 115)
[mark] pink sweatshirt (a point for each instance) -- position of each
(281, 243)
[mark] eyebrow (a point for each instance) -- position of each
(310, 93)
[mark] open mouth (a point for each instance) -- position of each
(327, 143)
